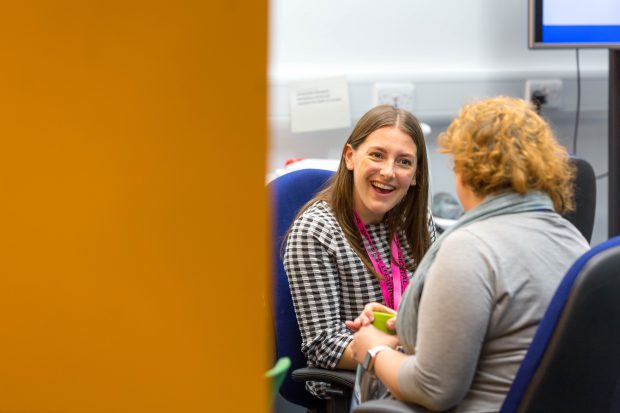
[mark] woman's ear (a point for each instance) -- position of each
(348, 156)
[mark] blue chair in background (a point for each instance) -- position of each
(288, 193)
(585, 198)
(573, 363)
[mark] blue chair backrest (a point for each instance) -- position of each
(585, 198)
(288, 193)
(573, 363)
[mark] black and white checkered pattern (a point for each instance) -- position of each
(330, 284)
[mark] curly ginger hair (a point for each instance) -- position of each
(501, 144)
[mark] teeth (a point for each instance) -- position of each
(382, 186)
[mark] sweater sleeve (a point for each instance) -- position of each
(455, 309)
(315, 288)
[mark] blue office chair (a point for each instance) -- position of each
(288, 193)
(573, 363)
(585, 198)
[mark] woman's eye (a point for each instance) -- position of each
(376, 155)
(406, 162)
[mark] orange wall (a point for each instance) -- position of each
(133, 256)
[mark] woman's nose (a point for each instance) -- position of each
(387, 169)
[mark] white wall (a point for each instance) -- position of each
(363, 38)
(452, 50)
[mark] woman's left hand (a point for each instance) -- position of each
(368, 337)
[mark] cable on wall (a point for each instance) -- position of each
(578, 107)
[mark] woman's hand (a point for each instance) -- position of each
(366, 317)
(368, 337)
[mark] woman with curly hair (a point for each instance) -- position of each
(478, 295)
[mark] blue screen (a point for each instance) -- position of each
(581, 34)
(574, 23)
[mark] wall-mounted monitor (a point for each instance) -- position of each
(574, 24)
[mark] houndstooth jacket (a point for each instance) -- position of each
(330, 284)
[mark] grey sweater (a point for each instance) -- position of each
(484, 296)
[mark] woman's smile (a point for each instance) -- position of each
(382, 188)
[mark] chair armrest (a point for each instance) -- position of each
(388, 406)
(343, 378)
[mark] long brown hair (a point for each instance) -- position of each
(409, 215)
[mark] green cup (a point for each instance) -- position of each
(380, 319)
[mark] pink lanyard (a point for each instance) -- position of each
(392, 284)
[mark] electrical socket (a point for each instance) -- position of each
(399, 95)
(550, 89)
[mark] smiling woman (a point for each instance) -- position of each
(360, 239)
(386, 168)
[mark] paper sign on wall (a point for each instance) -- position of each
(319, 104)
